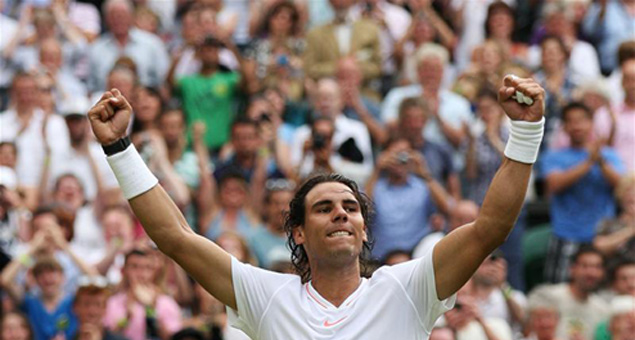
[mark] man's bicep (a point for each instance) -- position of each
(456, 257)
(209, 265)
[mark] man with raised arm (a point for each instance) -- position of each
(327, 228)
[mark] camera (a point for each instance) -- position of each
(403, 157)
(319, 141)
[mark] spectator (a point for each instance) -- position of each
(622, 321)
(396, 256)
(625, 52)
(148, 105)
(462, 213)
(495, 297)
(609, 23)
(14, 326)
(230, 209)
(413, 117)
(85, 158)
(50, 312)
(559, 21)
(350, 138)
(218, 88)
(120, 77)
(140, 310)
(118, 225)
(426, 27)
(278, 48)
(50, 239)
(450, 111)
(356, 105)
(269, 244)
(147, 50)
(393, 23)
(29, 127)
(89, 305)
(344, 37)
(51, 63)
(84, 16)
(543, 319)
(580, 309)
(13, 215)
(405, 196)
(616, 237)
(555, 76)
(624, 113)
(581, 180)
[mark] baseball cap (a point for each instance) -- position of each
(75, 106)
(8, 178)
(622, 304)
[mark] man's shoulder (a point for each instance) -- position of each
(413, 90)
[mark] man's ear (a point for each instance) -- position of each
(298, 235)
(364, 235)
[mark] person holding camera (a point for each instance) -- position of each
(405, 195)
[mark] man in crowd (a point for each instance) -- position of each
(89, 306)
(580, 179)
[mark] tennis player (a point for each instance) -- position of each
(327, 227)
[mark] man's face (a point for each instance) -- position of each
(544, 322)
(208, 55)
(329, 99)
(334, 229)
(77, 127)
(412, 123)
(578, 126)
(430, 72)
(628, 79)
(245, 139)
(625, 280)
(117, 226)
(172, 128)
(277, 205)
(90, 308)
(139, 269)
(50, 282)
(233, 193)
(25, 91)
(587, 272)
(8, 155)
(119, 19)
(70, 191)
(51, 55)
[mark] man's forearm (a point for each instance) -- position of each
(560, 181)
(502, 203)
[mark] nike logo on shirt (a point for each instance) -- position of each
(330, 324)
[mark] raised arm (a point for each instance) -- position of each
(161, 219)
(459, 254)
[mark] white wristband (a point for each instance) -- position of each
(524, 140)
(132, 173)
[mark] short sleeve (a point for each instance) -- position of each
(550, 164)
(254, 288)
(614, 160)
(417, 277)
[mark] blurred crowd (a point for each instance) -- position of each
(236, 102)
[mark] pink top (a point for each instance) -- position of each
(624, 142)
(168, 315)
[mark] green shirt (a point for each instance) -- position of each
(210, 99)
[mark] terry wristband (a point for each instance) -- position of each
(133, 175)
(524, 140)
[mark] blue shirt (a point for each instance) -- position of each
(439, 160)
(268, 247)
(48, 324)
(402, 215)
(576, 211)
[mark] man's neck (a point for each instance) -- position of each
(577, 293)
(50, 302)
(335, 284)
(208, 70)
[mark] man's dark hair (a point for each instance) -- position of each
(135, 252)
(494, 8)
(558, 40)
(242, 120)
(575, 106)
(584, 250)
(296, 218)
(622, 262)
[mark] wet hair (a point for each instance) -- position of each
(575, 106)
(296, 217)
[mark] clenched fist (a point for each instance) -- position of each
(529, 88)
(109, 118)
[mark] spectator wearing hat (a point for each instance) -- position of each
(85, 158)
(622, 321)
(89, 306)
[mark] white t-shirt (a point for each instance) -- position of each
(398, 302)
